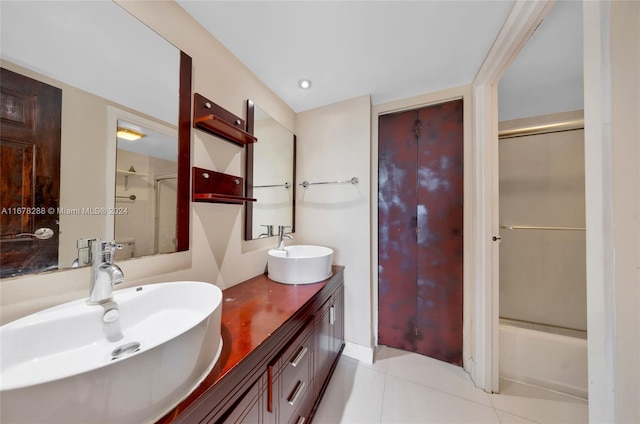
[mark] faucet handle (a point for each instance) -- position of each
(105, 250)
(269, 229)
(281, 228)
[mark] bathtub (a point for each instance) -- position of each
(548, 357)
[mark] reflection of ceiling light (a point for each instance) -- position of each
(128, 134)
(305, 84)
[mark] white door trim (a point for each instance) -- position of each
(522, 21)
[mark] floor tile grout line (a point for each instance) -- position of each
(495, 411)
(384, 391)
(516, 415)
(544, 389)
(384, 371)
(442, 391)
(489, 396)
(433, 388)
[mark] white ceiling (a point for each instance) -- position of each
(388, 49)
(397, 49)
(546, 77)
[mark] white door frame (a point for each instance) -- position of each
(522, 21)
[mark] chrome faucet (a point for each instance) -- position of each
(269, 233)
(104, 273)
(282, 236)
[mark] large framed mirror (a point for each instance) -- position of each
(101, 59)
(270, 176)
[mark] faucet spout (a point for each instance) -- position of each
(282, 236)
(104, 273)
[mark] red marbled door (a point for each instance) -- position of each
(420, 200)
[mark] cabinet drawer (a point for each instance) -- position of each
(301, 415)
(292, 350)
(295, 380)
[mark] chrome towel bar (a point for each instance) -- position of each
(527, 227)
(285, 185)
(353, 180)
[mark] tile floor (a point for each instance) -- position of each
(403, 387)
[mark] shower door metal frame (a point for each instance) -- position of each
(156, 227)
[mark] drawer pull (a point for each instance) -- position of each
(296, 393)
(299, 356)
(301, 420)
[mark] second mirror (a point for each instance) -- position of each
(270, 175)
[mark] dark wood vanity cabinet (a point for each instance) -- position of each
(328, 337)
(249, 408)
(297, 378)
(292, 380)
(281, 344)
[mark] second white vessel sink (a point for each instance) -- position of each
(302, 264)
(129, 360)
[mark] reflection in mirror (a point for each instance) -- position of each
(145, 194)
(79, 48)
(270, 175)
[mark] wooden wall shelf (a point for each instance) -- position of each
(216, 187)
(214, 119)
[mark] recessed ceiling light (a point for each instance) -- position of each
(127, 134)
(305, 84)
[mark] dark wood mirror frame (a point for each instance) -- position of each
(248, 215)
(184, 154)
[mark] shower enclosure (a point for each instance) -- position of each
(165, 213)
(543, 316)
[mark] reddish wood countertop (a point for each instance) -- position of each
(251, 312)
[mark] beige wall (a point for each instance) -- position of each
(334, 144)
(625, 135)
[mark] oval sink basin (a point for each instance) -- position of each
(126, 361)
(303, 264)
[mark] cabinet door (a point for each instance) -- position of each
(248, 409)
(337, 322)
(323, 346)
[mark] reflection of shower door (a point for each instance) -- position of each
(165, 214)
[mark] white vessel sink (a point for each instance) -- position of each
(303, 264)
(66, 364)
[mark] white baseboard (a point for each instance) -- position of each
(359, 352)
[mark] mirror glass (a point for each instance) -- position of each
(270, 176)
(104, 59)
(146, 189)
